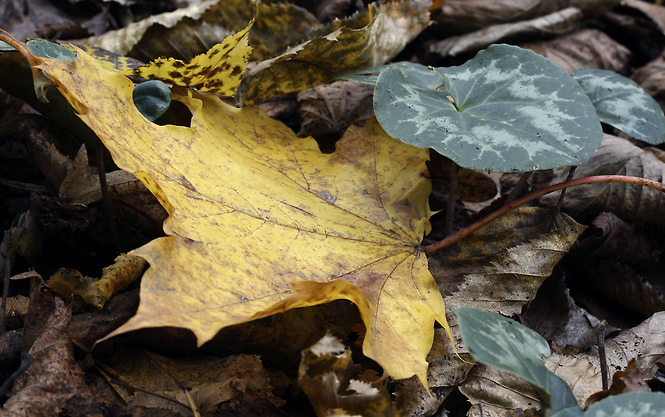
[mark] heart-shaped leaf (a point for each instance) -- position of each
(622, 103)
(507, 109)
(504, 344)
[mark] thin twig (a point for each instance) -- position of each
(195, 410)
(556, 208)
(451, 240)
(600, 337)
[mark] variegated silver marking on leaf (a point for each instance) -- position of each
(622, 103)
(513, 110)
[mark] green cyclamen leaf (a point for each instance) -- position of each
(152, 98)
(51, 50)
(513, 110)
(622, 103)
(504, 344)
(630, 404)
(496, 341)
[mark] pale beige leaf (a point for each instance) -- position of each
(463, 16)
(554, 23)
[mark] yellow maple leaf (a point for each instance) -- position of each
(218, 71)
(261, 221)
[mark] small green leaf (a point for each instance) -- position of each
(51, 50)
(622, 103)
(630, 404)
(496, 341)
(152, 99)
(513, 110)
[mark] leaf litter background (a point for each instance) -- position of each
(612, 272)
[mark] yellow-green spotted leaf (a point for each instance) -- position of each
(387, 29)
(217, 71)
(190, 31)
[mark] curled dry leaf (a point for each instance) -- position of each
(495, 393)
(555, 23)
(96, 292)
(364, 40)
(556, 317)
(462, 16)
(189, 31)
(655, 12)
(81, 185)
(586, 48)
(54, 383)
(652, 78)
(631, 202)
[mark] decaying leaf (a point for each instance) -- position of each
(628, 201)
(555, 23)
(462, 16)
(586, 48)
(192, 30)
(365, 40)
(81, 185)
(54, 383)
(213, 383)
(493, 392)
(326, 376)
(480, 272)
(219, 70)
(328, 110)
(96, 292)
(644, 342)
(261, 221)
(656, 12)
(652, 78)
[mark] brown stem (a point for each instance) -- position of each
(451, 240)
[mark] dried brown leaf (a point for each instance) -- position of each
(329, 109)
(54, 383)
(554, 23)
(462, 16)
(586, 48)
(631, 202)
(652, 78)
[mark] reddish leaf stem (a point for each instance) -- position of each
(451, 240)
